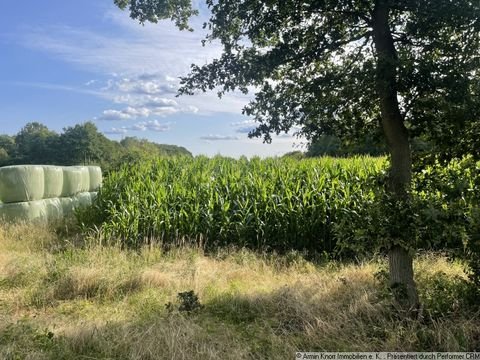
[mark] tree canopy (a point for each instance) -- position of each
(314, 63)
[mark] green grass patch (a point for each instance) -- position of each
(93, 302)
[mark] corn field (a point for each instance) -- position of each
(278, 204)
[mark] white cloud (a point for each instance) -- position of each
(144, 84)
(219, 137)
(128, 48)
(114, 115)
(152, 107)
(295, 129)
(244, 127)
(58, 87)
(158, 102)
(125, 114)
(152, 125)
(137, 112)
(243, 123)
(140, 61)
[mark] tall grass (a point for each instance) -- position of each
(280, 204)
(64, 301)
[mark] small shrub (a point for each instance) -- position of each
(188, 302)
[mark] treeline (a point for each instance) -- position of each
(35, 143)
(329, 145)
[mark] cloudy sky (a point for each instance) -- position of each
(67, 62)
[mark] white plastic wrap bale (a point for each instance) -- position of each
(68, 206)
(84, 199)
(72, 181)
(85, 179)
(93, 196)
(53, 176)
(53, 209)
(21, 183)
(31, 211)
(95, 177)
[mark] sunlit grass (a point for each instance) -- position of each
(62, 299)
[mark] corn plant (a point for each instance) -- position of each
(276, 204)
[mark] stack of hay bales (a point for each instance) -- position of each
(44, 193)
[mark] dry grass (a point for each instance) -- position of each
(59, 300)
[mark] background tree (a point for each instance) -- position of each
(142, 147)
(79, 144)
(7, 149)
(84, 144)
(35, 144)
(346, 67)
(330, 145)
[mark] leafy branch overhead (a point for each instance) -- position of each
(144, 11)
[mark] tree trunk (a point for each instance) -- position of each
(401, 262)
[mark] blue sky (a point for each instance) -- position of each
(67, 62)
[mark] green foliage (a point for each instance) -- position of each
(4, 157)
(329, 145)
(83, 143)
(280, 204)
(447, 295)
(80, 144)
(35, 144)
(295, 155)
(188, 302)
(336, 206)
(442, 213)
(315, 64)
(325, 145)
(348, 68)
(7, 149)
(135, 148)
(153, 10)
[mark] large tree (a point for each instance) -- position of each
(346, 68)
(35, 144)
(84, 144)
(7, 149)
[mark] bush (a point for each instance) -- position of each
(443, 214)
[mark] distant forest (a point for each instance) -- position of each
(81, 144)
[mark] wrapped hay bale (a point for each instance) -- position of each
(93, 196)
(84, 179)
(84, 199)
(21, 183)
(54, 209)
(72, 181)
(95, 177)
(53, 176)
(68, 205)
(32, 211)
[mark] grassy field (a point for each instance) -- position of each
(61, 298)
